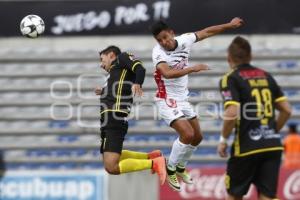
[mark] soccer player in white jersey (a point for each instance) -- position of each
(170, 57)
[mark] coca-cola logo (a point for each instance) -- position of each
(291, 188)
(207, 186)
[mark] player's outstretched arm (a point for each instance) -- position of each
(213, 30)
(169, 73)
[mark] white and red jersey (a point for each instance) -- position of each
(176, 88)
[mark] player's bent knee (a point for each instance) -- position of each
(112, 170)
(196, 143)
(188, 137)
(198, 139)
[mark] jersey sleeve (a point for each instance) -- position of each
(129, 61)
(158, 56)
(278, 95)
(188, 39)
(229, 91)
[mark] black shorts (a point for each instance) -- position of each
(261, 169)
(114, 127)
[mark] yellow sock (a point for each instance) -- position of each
(133, 154)
(131, 165)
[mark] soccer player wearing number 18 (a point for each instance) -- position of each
(251, 96)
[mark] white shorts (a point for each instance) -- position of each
(170, 110)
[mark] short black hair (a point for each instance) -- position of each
(158, 27)
(116, 50)
(293, 128)
(240, 50)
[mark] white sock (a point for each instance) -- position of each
(188, 154)
(177, 153)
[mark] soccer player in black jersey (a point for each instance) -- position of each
(251, 96)
(125, 79)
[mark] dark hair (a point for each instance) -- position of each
(293, 128)
(116, 50)
(158, 27)
(240, 50)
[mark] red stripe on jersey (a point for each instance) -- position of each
(161, 88)
(253, 73)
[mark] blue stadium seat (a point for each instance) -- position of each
(286, 64)
(58, 124)
(67, 138)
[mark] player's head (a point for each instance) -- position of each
(164, 35)
(239, 52)
(292, 128)
(108, 55)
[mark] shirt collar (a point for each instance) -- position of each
(243, 65)
(113, 63)
(176, 45)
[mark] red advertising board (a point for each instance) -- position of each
(289, 184)
(209, 185)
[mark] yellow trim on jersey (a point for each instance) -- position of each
(227, 103)
(283, 98)
(118, 91)
(113, 110)
(224, 83)
(237, 139)
(227, 181)
(259, 151)
(111, 67)
(120, 86)
(135, 64)
(120, 95)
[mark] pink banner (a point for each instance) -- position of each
(209, 185)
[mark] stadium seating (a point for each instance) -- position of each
(49, 113)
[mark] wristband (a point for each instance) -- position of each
(222, 139)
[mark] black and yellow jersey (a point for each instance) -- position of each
(117, 95)
(257, 92)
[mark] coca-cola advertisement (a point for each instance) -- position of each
(209, 185)
(289, 184)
